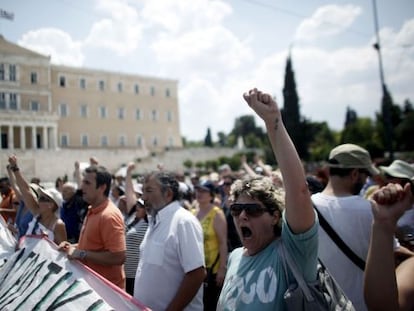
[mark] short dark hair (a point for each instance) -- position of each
(167, 180)
(338, 171)
(103, 177)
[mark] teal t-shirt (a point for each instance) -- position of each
(259, 282)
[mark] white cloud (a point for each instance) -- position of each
(178, 16)
(187, 40)
(56, 43)
(327, 21)
(120, 32)
(210, 50)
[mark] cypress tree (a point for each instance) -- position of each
(291, 111)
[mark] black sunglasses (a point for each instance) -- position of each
(251, 209)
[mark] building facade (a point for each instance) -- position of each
(45, 106)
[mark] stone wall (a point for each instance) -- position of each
(50, 164)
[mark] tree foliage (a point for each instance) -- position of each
(208, 142)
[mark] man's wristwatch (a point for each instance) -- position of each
(79, 254)
(82, 254)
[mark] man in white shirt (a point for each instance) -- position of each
(349, 214)
(171, 269)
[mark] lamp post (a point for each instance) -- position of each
(386, 97)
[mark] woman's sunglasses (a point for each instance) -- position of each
(251, 209)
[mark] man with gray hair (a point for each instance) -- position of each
(349, 214)
(171, 269)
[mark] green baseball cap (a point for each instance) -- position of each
(352, 156)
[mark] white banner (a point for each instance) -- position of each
(7, 242)
(39, 277)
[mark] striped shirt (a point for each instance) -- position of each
(135, 232)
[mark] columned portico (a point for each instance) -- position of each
(25, 135)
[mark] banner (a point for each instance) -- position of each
(7, 242)
(39, 277)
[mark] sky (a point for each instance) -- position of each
(219, 49)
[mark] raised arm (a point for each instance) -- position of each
(246, 166)
(13, 184)
(383, 288)
(77, 175)
(299, 212)
(130, 195)
(29, 199)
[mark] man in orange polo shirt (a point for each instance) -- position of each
(101, 243)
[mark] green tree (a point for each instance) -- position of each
(188, 163)
(222, 139)
(322, 140)
(245, 126)
(291, 112)
(207, 140)
(404, 131)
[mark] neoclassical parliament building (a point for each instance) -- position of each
(47, 106)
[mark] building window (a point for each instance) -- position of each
(104, 141)
(167, 93)
(34, 105)
(62, 81)
(33, 77)
(63, 110)
(1, 71)
(152, 91)
(82, 83)
(83, 111)
(121, 113)
(139, 141)
(138, 114)
(122, 141)
(12, 72)
(84, 140)
(170, 142)
(103, 113)
(2, 100)
(64, 140)
(13, 101)
(155, 141)
(120, 87)
(136, 88)
(169, 116)
(101, 85)
(154, 115)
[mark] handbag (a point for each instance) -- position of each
(339, 242)
(211, 277)
(321, 295)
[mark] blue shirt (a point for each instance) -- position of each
(259, 282)
(23, 218)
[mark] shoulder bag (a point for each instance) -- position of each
(321, 295)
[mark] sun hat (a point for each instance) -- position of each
(35, 189)
(399, 169)
(52, 194)
(352, 156)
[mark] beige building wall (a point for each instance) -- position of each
(48, 107)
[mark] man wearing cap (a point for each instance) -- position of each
(349, 214)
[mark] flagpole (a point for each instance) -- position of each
(386, 97)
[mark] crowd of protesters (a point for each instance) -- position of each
(202, 240)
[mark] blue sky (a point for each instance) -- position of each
(219, 49)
